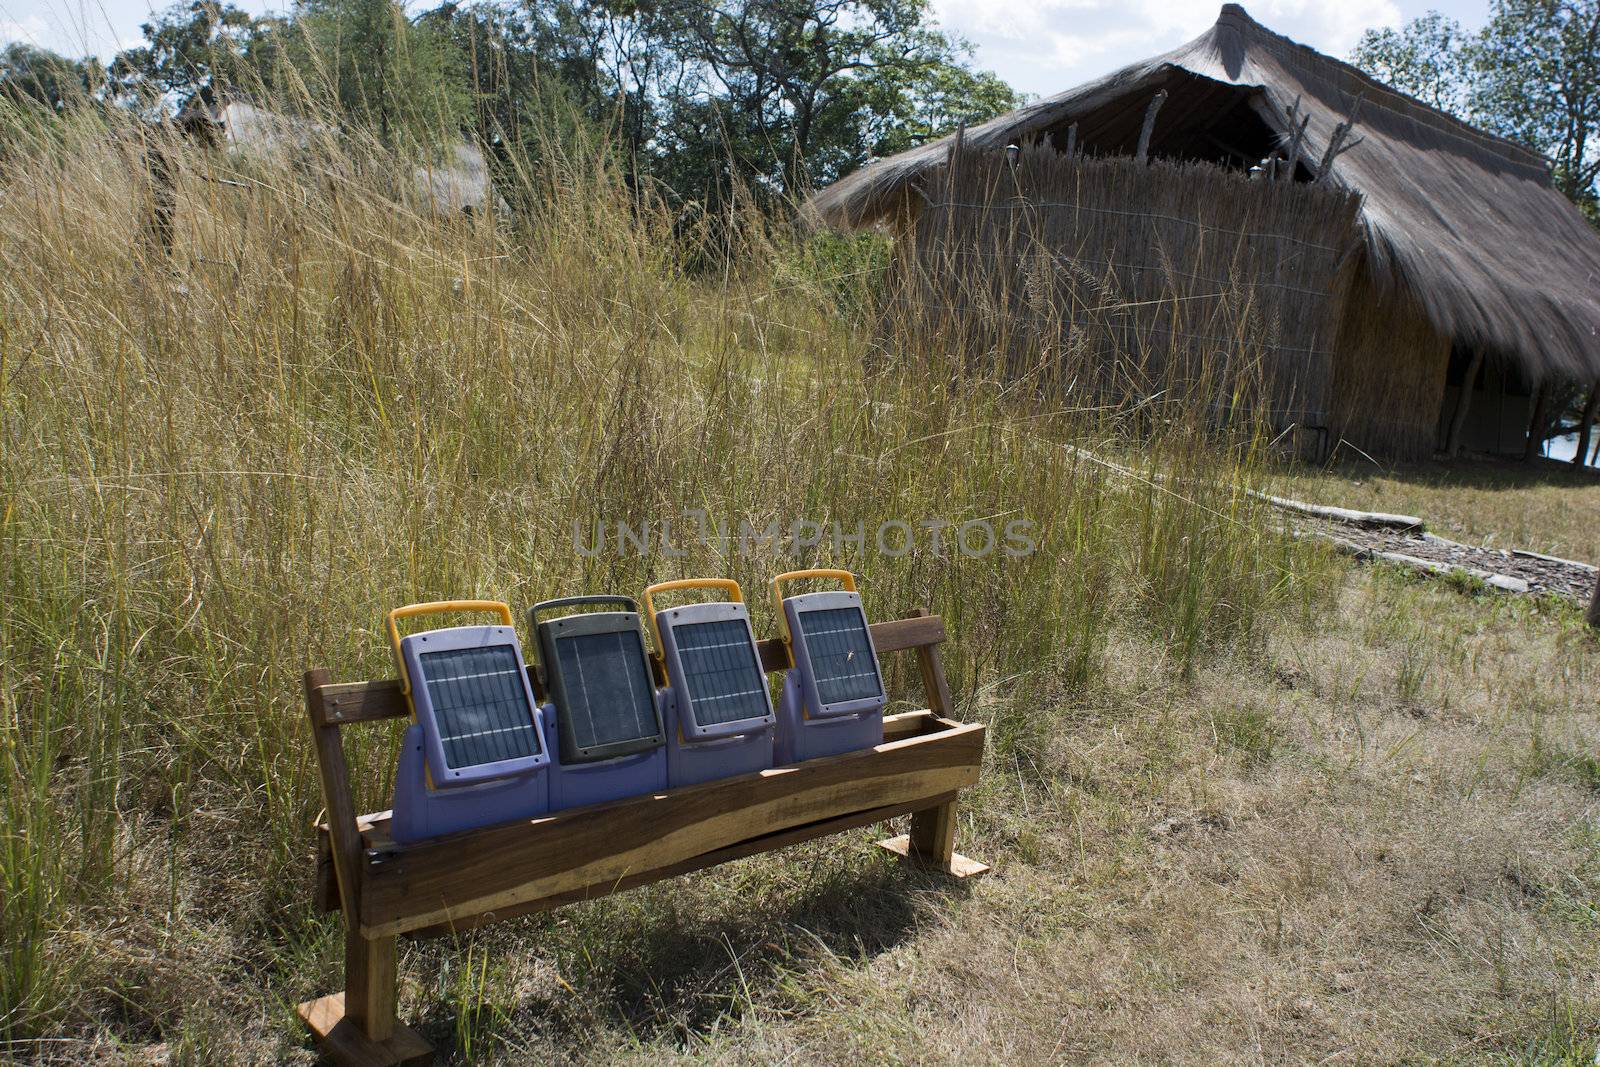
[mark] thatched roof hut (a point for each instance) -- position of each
(1457, 225)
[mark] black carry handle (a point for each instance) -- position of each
(572, 601)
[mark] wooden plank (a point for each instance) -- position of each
(371, 983)
(912, 724)
(342, 1041)
(765, 843)
(935, 689)
(374, 827)
(933, 834)
(369, 966)
(352, 702)
(958, 866)
(453, 877)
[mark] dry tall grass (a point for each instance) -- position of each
(221, 466)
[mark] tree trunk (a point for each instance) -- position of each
(1464, 402)
(1541, 401)
(1586, 427)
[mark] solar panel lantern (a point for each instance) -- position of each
(602, 723)
(833, 696)
(475, 755)
(715, 707)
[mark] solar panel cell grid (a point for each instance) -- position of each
(724, 680)
(480, 705)
(608, 693)
(841, 655)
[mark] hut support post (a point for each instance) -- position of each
(1541, 404)
(1586, 426)
(1464, 403)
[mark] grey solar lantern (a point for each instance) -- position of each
(475, 755)
(603, 723)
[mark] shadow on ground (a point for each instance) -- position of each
(677, 960)
(1470, 472)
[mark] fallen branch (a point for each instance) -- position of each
(1371, 520)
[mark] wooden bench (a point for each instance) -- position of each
(449, 884)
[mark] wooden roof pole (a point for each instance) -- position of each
(1541, 407)
(1149, 126)
(1586, 425)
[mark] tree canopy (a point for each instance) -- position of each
(1532, 74)
(772, 96)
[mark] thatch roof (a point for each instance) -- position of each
(1465, 221)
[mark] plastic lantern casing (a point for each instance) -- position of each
(833, 696)
(476, 754)
(603, 723)
(715, 707)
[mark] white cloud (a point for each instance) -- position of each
(28, 30)
(1052, 45)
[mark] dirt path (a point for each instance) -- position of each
(1517, 571)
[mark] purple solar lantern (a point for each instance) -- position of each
(715, 707)
(833, 696)
(475, 755)
(602, 724)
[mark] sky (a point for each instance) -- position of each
(1040, 46)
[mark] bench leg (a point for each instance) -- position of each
(932, 843)
(370, 984)
(358, 1026)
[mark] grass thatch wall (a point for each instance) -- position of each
(1133, 279)
(1389, 379)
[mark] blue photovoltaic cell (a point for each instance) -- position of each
(480, 705)
(724, 680)
(841, 655)
(607, 688)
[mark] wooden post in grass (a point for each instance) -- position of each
(1594, 605)
(1464, 403)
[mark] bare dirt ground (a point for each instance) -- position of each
(1539, 574)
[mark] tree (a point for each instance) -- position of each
(366, 61)
(811, 87)
(192, 51)
(1532, 75)
(1537, 81)
(38, 77)
(1428, 58)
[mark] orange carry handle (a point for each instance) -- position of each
(844, 577)
(437, 607)
(727, 585)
